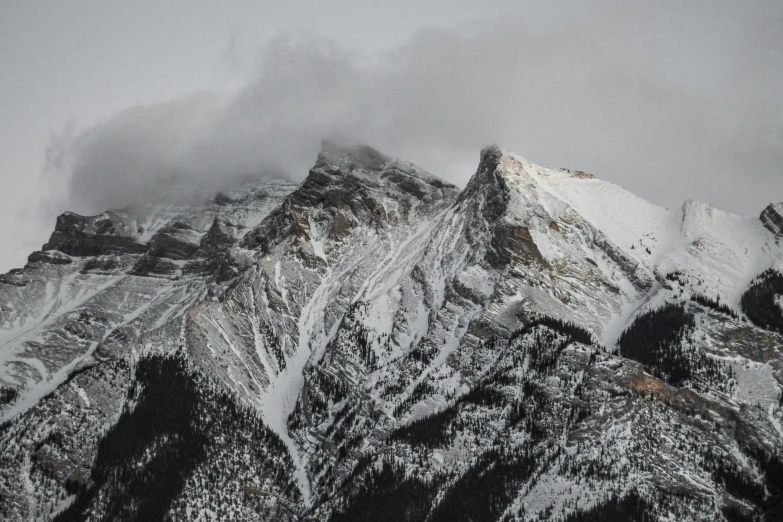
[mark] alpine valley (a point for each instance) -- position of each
(376, 344)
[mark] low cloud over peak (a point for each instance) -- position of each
(636, 98)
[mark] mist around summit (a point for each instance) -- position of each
(630, 97)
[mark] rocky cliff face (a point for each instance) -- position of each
(375, 344)
(772, 217)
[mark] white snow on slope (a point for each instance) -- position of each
(718, 250)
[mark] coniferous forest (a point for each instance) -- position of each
(388, 495)
(174, 420)
(761, 301)
(655, 340)
(163, 422)
(661, 339)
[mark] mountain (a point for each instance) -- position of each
(376, 344)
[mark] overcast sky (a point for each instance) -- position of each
(103, 103)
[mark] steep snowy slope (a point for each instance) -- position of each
(104, 274)
(74, 319)
(719, 253)
(357, 213)
(508, 251)
(519, 251)
(375, 344)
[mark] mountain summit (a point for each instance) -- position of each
(375, 344)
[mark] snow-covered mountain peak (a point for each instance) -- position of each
(350, 185)
(703, 220)
(357, 159)
(350, 154)
(374, 344)
(556, 218)
(544, 195)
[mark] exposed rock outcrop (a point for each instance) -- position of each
(772, 217)
(110, 232)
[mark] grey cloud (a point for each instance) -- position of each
(671, 105)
